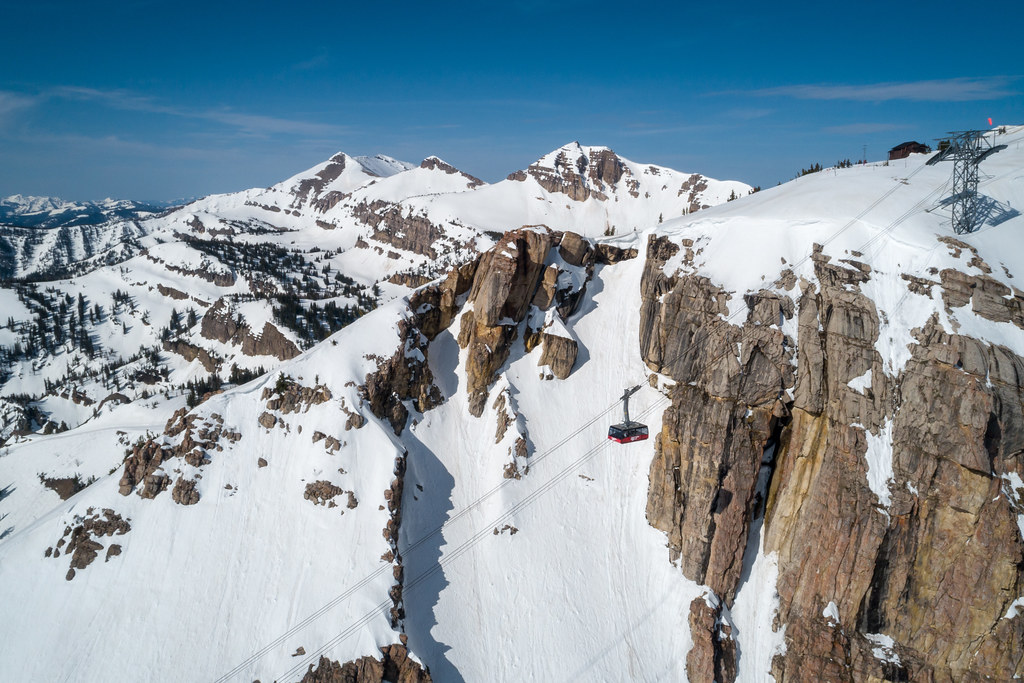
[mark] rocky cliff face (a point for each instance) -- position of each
(485, 303)
(525, 278)
(219, 324)
(393, 224)
(800, 431)
(526, 287)
(727, 405)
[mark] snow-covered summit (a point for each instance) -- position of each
(589, 190)
(382, 165)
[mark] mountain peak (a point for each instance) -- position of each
(572, 151)
(577, 170)
(436, 163)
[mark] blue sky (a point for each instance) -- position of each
(153, 100)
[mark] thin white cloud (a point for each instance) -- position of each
(113, 144)
(749, 113)
(118, 99)
(256, 124)
(247, 124)
(13, 101)
(862, 128)
(936, 90)
(640, 129)
(319, 59)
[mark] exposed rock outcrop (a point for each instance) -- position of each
(184, 492)
(393, 496)
(693, 187)
(522, 273)
(396, 225)
(192, 438)
(171, 292)
(507, 415)
(438, 164)
(220, 278)
(929, 554)
(191, 352)
(221, 325)
(713, 655)
(405, 376)
(577, 174)
(558, 353)
(322, 491)
(309, 189)
(394, 666)
(289, 396)
(81, 538)
(504, 286)
(65, 487)
(937, 571)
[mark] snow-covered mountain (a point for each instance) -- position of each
(419, 219)
(832, 381)
(249, 279)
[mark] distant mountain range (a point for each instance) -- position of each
(53, 212)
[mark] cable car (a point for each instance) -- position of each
(627, 431)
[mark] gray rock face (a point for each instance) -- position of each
(309, 189)
(394, 665)
(579, 177)
(504, 286)
(395, 225)
(191, 352)
(184, 492)
(725, 409)
(713, 655)
(692, 187)
(509, 276)
(558, 353)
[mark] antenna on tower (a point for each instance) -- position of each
(966, 148)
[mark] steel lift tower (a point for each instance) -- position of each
(966, 149)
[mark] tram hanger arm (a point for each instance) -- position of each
(629, 392)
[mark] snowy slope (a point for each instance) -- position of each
(554, 576)
(582, 590)
(252, 553)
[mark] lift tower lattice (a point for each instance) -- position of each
(966, 149)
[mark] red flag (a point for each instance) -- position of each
(990, 120)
